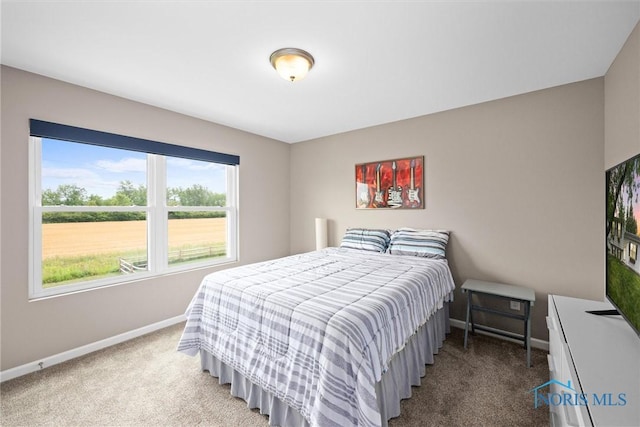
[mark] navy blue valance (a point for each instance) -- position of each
(44, 129)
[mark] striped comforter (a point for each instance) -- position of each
(317, 330)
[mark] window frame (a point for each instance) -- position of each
(156, 211)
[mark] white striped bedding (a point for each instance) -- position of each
(317, 330)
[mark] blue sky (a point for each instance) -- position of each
(100, 170)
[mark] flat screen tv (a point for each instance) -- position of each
(623, 239)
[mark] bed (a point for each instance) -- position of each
(330, 337)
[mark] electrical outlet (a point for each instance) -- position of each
(514, 305)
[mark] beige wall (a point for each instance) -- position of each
(518, 181)
(622, 103)
(32, 330)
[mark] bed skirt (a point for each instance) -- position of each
(405, 370)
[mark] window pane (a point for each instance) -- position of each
(80, 251)
(196, 236)
(88, 175)
(90, 233)
(195, 183)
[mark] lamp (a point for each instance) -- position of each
(291, 63)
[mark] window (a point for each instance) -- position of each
(108, 209)
(633, 252)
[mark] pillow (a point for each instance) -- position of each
(422, 243)
(366, 239)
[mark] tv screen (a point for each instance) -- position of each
(623, 240)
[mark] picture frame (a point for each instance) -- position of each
(390, 184)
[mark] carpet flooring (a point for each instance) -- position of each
(145, 382)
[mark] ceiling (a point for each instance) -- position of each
(376, 61)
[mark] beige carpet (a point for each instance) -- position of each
(145, 382)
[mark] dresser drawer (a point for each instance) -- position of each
(556, 344)
(555, 355)
(561, 369)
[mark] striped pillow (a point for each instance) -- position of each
(366, 239)
(422, 243)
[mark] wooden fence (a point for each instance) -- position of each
(132, 265)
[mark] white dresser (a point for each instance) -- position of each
(600, 356)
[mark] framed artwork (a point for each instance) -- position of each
(391, 184)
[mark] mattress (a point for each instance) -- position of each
(317, 330)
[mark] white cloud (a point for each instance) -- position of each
(69, 173)
(194, 165)
(124, 165)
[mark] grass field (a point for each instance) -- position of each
(625, 289)
(78, 251)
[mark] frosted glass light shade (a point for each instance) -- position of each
(321, 233)
(292, 64)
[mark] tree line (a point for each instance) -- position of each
(127, 194)
(623, 179)
(628, 219)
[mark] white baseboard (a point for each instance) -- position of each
(535, 343)
(86, 349)
(99, 345)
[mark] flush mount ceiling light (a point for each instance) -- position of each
(291, 63)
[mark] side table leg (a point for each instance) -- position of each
(466, 325)
(527, 321)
